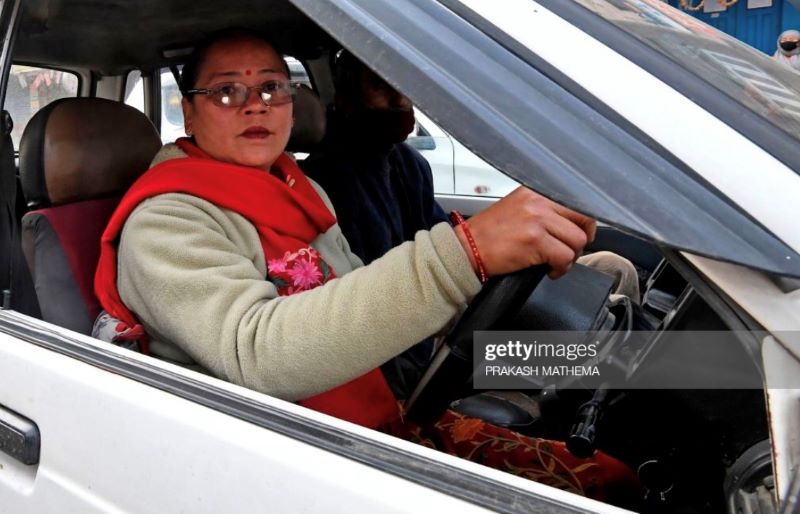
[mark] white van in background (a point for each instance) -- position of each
(456, 170)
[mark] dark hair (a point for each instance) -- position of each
(198, 56)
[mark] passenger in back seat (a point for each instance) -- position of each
(225, 257)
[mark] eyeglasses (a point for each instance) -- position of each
(236, 94)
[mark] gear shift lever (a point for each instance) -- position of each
(582, 435)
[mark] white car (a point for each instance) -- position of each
(456, 170)
(681, 140)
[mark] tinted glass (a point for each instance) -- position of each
(737, 70)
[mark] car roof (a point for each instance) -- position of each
(107, 36)
(503, 101)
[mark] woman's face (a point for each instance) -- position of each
(250, 135)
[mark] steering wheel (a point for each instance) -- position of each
(450, 372)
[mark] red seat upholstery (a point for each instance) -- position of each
(77, 158)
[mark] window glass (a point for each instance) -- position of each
(171, 113)
(134, 90)
(739, 71)
(171, 125)
(30, 89)
(297, 72)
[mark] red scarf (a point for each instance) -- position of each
(288, 215)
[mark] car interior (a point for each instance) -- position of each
(694, 450)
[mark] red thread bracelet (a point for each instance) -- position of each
(457, 220)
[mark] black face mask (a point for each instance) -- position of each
(788, 46)
(384, 127)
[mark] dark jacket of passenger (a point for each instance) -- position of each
(382, 194)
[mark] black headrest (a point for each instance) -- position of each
(84, 148)
(309, 121)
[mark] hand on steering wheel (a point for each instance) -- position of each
(525, 229)
(521, 238)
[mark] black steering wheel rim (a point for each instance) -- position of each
(499, 300)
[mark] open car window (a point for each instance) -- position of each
(508, 108)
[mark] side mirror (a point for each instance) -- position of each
(422, 142)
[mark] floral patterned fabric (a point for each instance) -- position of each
(298, 271)
(601, 477)
(108, 328)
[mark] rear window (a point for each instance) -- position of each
(31, 88)
(171, 123)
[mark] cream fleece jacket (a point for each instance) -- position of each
(193, 273)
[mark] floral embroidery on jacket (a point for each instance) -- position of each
(298, 271)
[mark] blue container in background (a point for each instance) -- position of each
(756, 26)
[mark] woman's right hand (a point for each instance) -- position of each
(525, 229)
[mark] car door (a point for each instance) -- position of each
(111, 444)
(109, 431)
(437, 147)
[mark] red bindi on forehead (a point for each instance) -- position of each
(248, 72)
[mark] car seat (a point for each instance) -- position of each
(309, 121)
(77, 158)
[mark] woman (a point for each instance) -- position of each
(195, 237)
(788, 52)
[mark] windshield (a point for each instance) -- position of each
(743, 73)
(479, 73)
